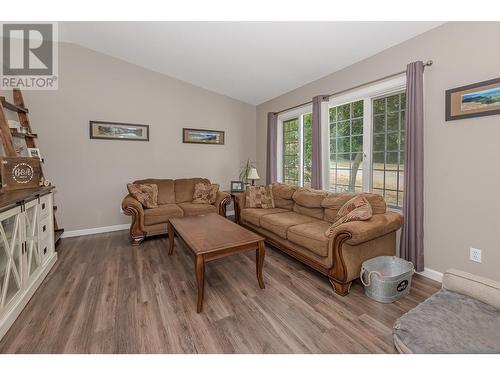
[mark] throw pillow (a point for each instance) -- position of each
(259, 197)
(147, 194)
(350, 205)
(205, 193)
(356, 209)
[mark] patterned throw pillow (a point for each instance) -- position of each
(205, 193)
(147, 194)
(356, 209)
(259, 197)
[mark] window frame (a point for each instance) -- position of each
(283, 117)
(368, 94)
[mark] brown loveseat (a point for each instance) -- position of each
(298, 223)
(174, 200)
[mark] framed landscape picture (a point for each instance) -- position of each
(211, 137)
(118, 130)
(478, 99)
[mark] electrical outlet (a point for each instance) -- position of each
(475, 255)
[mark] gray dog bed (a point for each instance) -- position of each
(463, 317)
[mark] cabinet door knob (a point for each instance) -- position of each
(43, 206)
(45, 250)
(44, 228)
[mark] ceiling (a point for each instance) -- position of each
(250, 61)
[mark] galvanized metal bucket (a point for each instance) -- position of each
(386, 279)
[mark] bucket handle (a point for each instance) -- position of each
(412, 268)
(363, 270)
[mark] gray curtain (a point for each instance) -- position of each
(317, 157)
(272, 140)
(412, 235)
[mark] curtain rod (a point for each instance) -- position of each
(427, 63)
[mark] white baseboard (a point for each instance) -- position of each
(85, 232)
(431, 274)
(111, 228)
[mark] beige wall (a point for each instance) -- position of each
(91, 175)
(462, 176)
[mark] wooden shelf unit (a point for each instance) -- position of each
(6, 135)
(12, 107)
(23, 135)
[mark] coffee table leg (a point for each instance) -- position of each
(259, 262)
(199, 264)
(171, 235)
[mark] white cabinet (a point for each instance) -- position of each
(26, 254)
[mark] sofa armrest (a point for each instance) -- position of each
(363, 231)
(239, 204)
(132, 207)
(477, 287)
(221, 201)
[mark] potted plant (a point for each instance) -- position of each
(245, 169)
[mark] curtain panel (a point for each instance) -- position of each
(412, 235)
(317, 150)
(272, 140)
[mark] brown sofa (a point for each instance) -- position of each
(174, 200)
(298, 223)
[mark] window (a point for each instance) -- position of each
(363, 142)
(388, 148)
(366, 142)
(297, 148)
(346, 147)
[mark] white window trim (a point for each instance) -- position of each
(367, 94)
(282, 117)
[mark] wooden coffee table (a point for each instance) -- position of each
(212, 237)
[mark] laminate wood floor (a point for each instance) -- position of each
(105, 296)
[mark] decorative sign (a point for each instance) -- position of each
(22, 173)
(19, 173)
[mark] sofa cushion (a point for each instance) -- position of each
(279, 223)
(317, 213)
(184, 188)
(162, 213)
(253, 215)
(311, 236)
(165, 189)
(282, 194)
(205, 193)
(259, 197)
(449, 322)
(146, 194)
(193, 209)
(334, 201)
(309, 197)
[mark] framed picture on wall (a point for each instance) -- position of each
(478, 99)
(34, 153)
(237, 186)
(118, 131)
(210, 137)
